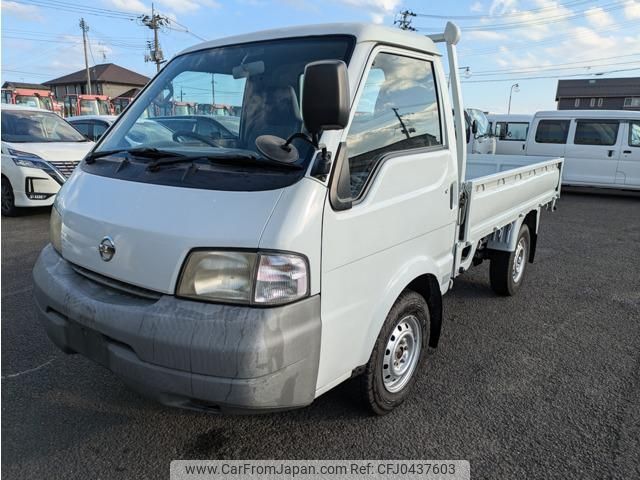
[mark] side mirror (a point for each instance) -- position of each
(325, 96)
(474, 127)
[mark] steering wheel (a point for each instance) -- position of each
(197, 136)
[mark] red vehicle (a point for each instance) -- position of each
(80, 104)
(219, 109)
(184, 108)
(29, 94)
(120, 103)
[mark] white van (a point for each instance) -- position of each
(510, 132)
(601, 147)
(39, 152)
(260, 271)
(480, 139)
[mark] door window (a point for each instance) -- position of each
(596, 132)
(512, 131)
(98, 129)
(82, 127)
(552, 131)
(634, 133)
(398, 110)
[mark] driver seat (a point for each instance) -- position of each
(273, 111)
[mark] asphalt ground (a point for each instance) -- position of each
(542, 385)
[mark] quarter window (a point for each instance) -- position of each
(596, 132)
(552, 131)
(634, 134)
(398, 110)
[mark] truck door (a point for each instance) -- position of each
(629, 163)
(592, 156)
(511, 137)
(403, 212)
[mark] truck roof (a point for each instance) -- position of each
(622, 114)
(363, 32)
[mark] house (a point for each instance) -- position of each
(106, 79)
(599, 93)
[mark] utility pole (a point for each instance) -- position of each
(154, 22)
(404, 22)
(85, 29)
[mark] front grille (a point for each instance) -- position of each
(66, 168)
(117, 284)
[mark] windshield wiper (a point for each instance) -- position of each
(145, 152)
(229, 159)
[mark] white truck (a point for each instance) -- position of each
(258, 272)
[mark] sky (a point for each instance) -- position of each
(504, 42)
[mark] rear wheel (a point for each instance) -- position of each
(7, 203)
(507, 268)
(397, 355)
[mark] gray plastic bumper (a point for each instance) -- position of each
(180, 352)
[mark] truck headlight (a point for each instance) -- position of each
(55, 229)
(262, 278)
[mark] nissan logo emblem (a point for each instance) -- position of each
(107, 249)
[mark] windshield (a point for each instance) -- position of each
(30, 100)
(261, 82)
(34, 127)
(481, 121)
(94, 107)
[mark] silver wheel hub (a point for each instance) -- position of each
(519, 260)
(402, 353)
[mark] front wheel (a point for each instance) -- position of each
(397, 354)
(507, 268)
(8, 205)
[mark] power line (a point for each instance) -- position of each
(541, 21)
(560, 66)
(73, 8)
(548, 41)
(502, 15)
(552, 76)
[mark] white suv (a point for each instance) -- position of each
(39, 151)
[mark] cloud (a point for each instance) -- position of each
(134, 6)
(378, 8)
(631, 9)
(487, 35)
(476, 7)
(187, 6)
(597, 17)
(377, 18)
(502, 6)
(27, 12)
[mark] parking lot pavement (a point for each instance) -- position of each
(543, 385)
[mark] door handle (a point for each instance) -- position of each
(611, 153)
(453, 195)
(627, 151)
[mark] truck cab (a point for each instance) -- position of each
(259, 271)
(81, 104)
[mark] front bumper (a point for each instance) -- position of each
(33, 187)
(184, 353)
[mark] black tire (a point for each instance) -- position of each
(504, 279)
(375, 392)
(8, 200)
